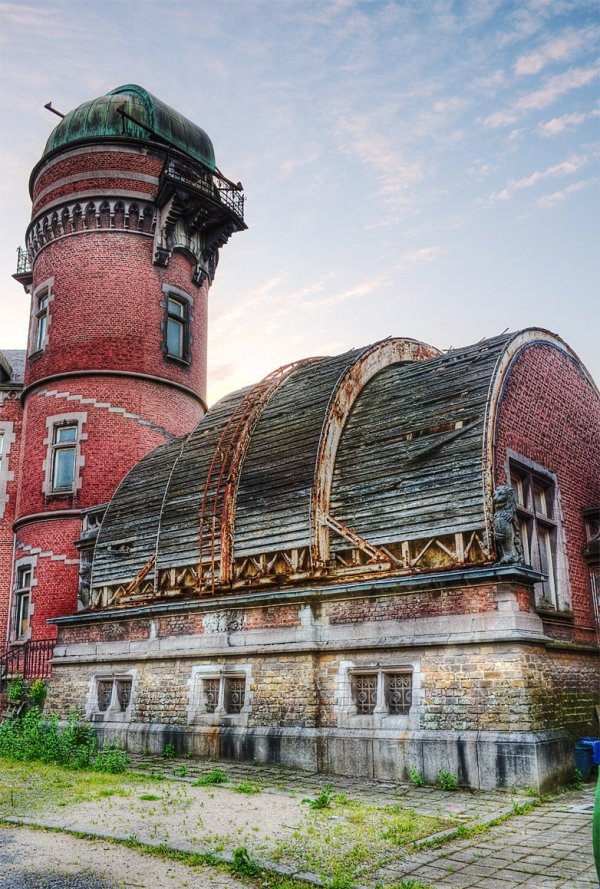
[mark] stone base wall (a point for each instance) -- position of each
(482, 760)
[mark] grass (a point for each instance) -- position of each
(27, 788)
(345, 839)
(214, 776)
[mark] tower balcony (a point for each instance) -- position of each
(24, 272)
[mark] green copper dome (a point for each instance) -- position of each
(99, 119)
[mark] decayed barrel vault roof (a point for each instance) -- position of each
(369, 460)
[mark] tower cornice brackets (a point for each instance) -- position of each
(348, 387)
(197, 212)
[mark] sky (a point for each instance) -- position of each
(425, 169)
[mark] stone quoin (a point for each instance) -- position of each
(363, 564)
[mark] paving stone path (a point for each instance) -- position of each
(548, 848)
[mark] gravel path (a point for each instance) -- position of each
(37, 859)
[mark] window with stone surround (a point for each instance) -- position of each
(381, 691)
(64, 460)
(176, 327)
(376, 695)
(219, 695)
(111, 697)
(40, 317)
(22, 602)
(537, 513)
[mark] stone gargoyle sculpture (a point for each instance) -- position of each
(507, 534)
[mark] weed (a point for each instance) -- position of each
(246, 787)
(322, 799)
(243, 864)
(215, 776)
(416, 778)
(169, 750)
(110, 759)
(446, 780)
(577, 781)
(150, 796)
(522, 808)
(181, 772)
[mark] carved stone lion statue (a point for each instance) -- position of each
(507, 534)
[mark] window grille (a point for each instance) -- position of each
(398, 693)
(234, 696)
(364, 692)
(210, 688)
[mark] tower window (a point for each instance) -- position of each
(64, 448)
(41, 327)
(176, 326)
(22, 602)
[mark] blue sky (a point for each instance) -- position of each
(424, 169)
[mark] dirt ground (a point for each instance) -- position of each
(37, 859)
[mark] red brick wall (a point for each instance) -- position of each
(106, 312)
(549, 413)
(56, 577)
(10, 412)
(114, 442)
(82, 161)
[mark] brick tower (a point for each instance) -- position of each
(129, 213)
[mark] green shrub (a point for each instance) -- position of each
(16, 689)
(37, 693)
(31, 737)
(416, 778)
(169, 750)
(215, 776)
(446, 780)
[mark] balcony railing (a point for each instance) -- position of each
(212, 185)
(31, 660)
(23, 261)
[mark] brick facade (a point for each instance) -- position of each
(549, 413)
(11, 423)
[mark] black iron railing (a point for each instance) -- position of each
(23, 261)
(211, 184)
(31, 660)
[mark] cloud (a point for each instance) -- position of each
(548, 201)
(552, 89)
(559, 49)
(565, 122)
(565, 168)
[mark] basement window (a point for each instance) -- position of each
(384, 692)
(219, 696)
(111, 698)
(377, 696)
